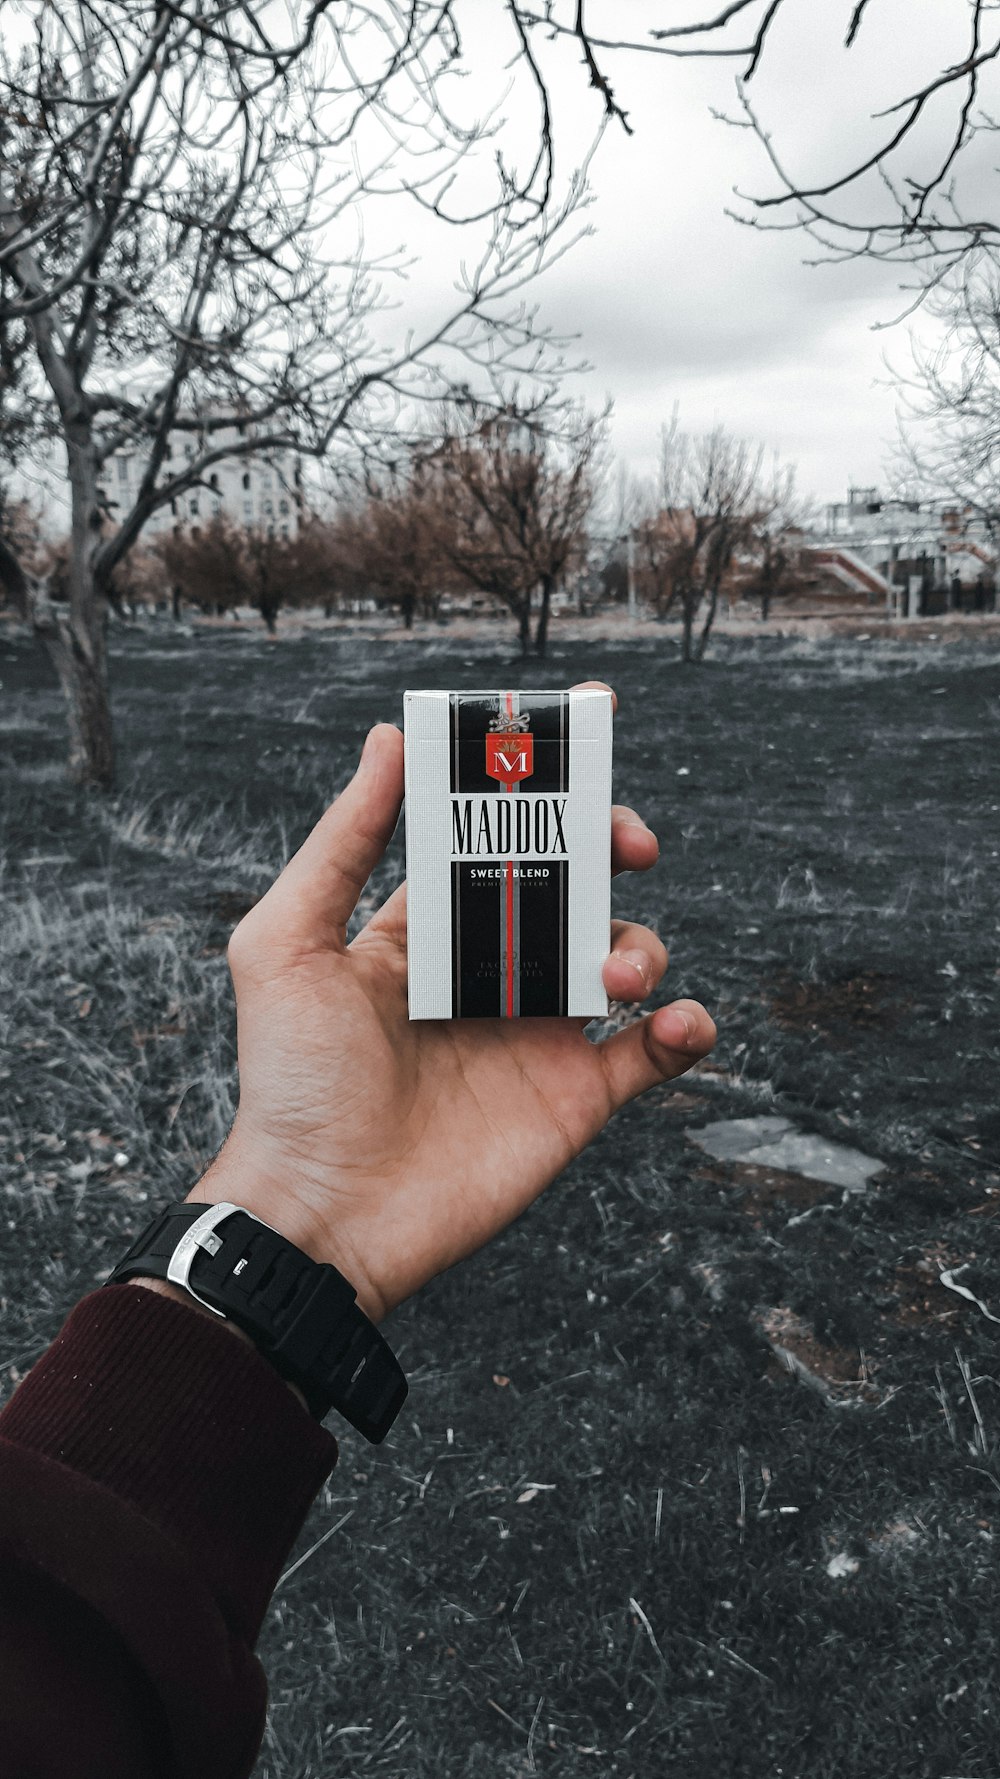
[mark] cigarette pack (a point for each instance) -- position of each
(508, 853)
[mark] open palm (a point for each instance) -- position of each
(392, 1147)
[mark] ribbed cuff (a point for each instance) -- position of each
(187, 1424)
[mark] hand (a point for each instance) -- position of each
(391, 1148)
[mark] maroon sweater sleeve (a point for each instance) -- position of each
(154, 1473)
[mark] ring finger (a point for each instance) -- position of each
(637, 961)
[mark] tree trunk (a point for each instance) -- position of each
(524, 624)
(765, 603)
(80, 662)
(175, 602)
(83, 677)
(269, 613)
(13, 577)
(687, 609)
(408, 605)
(77, 639)
(713, 601)
(542, 627)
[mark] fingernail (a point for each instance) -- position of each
(674, 1028)
(639, 962)
(368, 742)
(634, 821)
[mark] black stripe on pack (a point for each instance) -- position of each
(544, 931)
(549, 713)
(478, 903)
(470, 721)
(477, 907)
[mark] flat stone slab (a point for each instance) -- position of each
(774, 1142)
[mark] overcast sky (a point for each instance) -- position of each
(676, 303)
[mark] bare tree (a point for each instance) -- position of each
(180, 257)
(700, 514)
(655, 540)
(317, 574)
(389, 546)
(270, 569)
(950, 444)
(516, 495)
(207, 564)
(138, 582)
(776, 532)
(220, 566)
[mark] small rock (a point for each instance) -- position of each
(842, 1565)
(774, 1142)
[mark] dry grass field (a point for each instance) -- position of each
(698, 1474)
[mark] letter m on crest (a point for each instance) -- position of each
(510, 757)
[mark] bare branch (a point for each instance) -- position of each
(598, 79)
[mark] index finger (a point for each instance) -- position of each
(596, 685)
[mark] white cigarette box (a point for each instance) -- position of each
(508, 853)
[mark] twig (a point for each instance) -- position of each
(637, 1609)
(511, 1720)
(531, 1732)
(731, 1655)
(313, 1548)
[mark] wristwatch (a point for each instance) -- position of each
(300, 1313)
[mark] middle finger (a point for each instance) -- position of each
(634, 847)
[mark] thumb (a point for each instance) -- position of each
(665, 1044)
(316, 894)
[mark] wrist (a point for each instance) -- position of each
(237, 1177)
(301, 1314)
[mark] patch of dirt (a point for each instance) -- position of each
(873, 1001)
(842, 1376)
(922, 1300)
(765, 1189)
(769, 1189)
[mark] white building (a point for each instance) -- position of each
(921, 545)
(262, 490)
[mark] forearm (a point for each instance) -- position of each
(154, 1472)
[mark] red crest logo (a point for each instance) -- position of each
(510, 752)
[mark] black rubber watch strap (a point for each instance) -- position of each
(301, 1313)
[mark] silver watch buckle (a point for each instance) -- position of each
(201, 1234)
